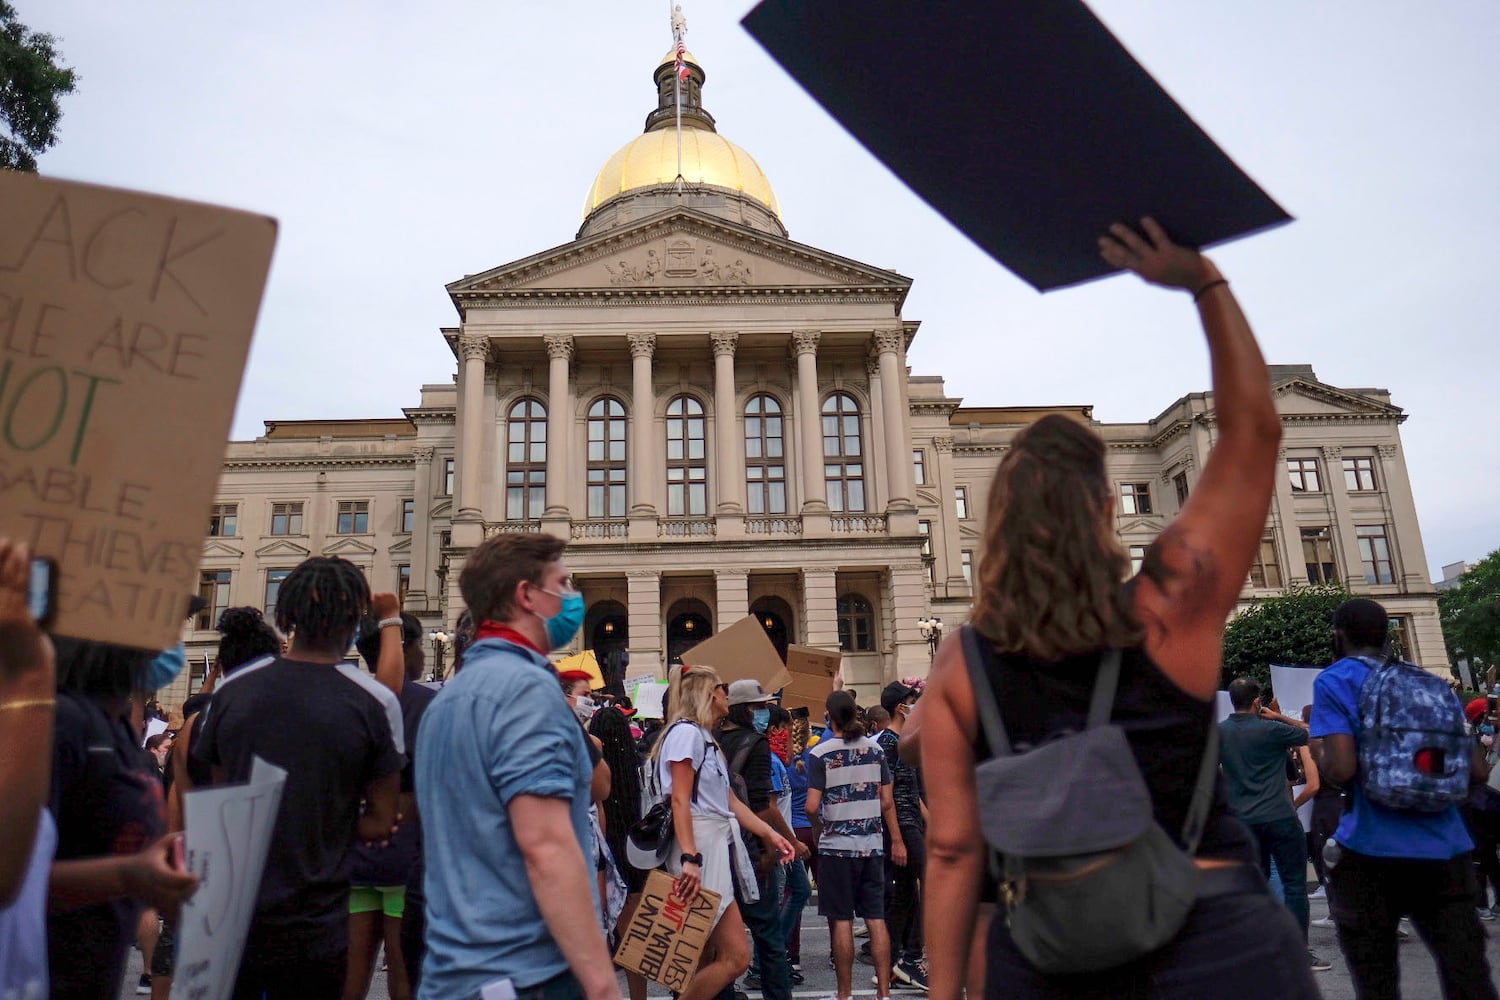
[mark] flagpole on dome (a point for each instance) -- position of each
(679, 73)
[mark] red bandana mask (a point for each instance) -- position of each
(780, 744)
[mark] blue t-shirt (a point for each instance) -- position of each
(501, 728)
(797, 777)
(1368, 827)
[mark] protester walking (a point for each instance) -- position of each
(503, 777)
(620, 809)
(1385, 860)
(1051, 619)
(707, 817)
(849, 800)
(797, 889)
(806, 836)
(904, 882)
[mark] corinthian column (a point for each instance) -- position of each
(814, 490)
(475, 350)
(421, 530)
(643, 473)
(727, 448)
(559, 353)
(892, 346)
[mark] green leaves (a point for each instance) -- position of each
(1470, 613)
(31, 81)
(1294, 629)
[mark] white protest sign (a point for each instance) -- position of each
(1293, 688)
(228, 835)
(1223, 707)
(650, 700)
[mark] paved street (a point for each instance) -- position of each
(1418, 975)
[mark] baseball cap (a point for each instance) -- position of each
(894, 694)
(748, 692)
(1474, 710)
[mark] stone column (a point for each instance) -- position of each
(728, 445)
(644, 596)
(559, 422)
(810, 437)
(908, 604)
(1344, 535)
(1405, 534)
(820, 608)
(892, 347)
(1288, 534)
(641, 479)
(476, 351)
(732, 594)
(949, 572)
(421, 532)
(876, 490)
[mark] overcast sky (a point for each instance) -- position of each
(405, 145)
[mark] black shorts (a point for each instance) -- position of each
(850, 887)
(164, 957)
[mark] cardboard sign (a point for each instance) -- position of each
(1025, 123)
(228, 835)
(740, 652)
(125, 322)
(813, 677)
(1293, 688)
(665, 937)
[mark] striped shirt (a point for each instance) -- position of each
(850, 776)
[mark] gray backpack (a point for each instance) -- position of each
(1088, 878)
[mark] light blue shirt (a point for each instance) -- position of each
(499, 729)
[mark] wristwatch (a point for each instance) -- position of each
(693, 859)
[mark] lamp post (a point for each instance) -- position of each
(440, 640)
(932, 631)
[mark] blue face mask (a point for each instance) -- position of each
(563, 626)
(760, 719)
(164, 669)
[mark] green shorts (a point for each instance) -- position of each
(387, 899)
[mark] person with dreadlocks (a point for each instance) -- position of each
(621, 809)
(338, 733)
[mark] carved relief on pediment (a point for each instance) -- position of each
(679, 262)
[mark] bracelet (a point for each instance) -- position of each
(1198, 295)
(386, 622)
(29, 703)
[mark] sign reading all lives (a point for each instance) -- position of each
(125, 323)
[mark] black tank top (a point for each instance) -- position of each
(1165, 726)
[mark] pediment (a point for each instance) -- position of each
(281, 547)
(1306, 396)
(215, 549)
(968, 534)
(672, 253)
(400, 547)
(1152, 524)
(347, 547)
(443, 509)
(927, 498)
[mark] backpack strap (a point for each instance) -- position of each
(1203, 794)
(990, 722)
(1102, 703)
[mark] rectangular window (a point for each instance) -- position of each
(286, 518)
(1359, 474)
(961, 501)
(1179, 482)
(1375, 553)
(403, 583)
(919, 466)
(1137, 558)
(408, 516)
(213, 587)
(967, 555)
(447, 477)
(274, 580)
(224, 519)
(924, 528)
(1317, 554)
(354, 517)
(1265, 572)
(1303, 472)
(1135, 498)
(1398, 634)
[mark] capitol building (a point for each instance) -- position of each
(722, 422)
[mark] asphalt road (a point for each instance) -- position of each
(1418, 974)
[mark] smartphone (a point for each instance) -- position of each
(41, 594)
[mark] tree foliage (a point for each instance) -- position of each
(31, 81)
(1470, 613)
(1295, 628)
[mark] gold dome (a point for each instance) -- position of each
(707, 158)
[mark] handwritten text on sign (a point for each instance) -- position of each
(666, 936)
(125, 321)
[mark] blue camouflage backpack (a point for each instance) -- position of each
(1413, 748)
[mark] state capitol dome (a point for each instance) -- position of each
(718, 177)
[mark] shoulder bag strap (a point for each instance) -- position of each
(1203, 793)
(990, 722)
(1102, 704)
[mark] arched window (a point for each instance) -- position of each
(606, 461)
(765, 457)
(856, 624)
(687, 459)
(843, 454)
(526, 461)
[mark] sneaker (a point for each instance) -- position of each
(861, 929)
(1323, 922)
(865, 958)
(1318, 893)
(796, 974)
(1402, 934)
(1486, 914)
(1318, 964)
(752, 980)
(143, 988)
(909, 974)
(1495, 911)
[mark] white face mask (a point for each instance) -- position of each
(585, 707)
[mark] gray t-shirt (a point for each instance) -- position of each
(1253, 752)
(689, 741)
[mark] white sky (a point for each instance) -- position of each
(405, 145)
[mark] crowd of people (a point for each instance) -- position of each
(1044, 816)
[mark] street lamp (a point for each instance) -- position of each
(440, 639)
(932, 631)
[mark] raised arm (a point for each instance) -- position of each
(1193, 573)
(28, 697)
(390, 668)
